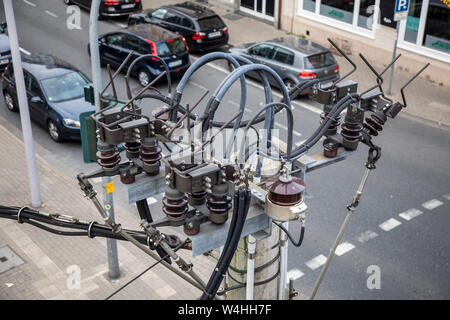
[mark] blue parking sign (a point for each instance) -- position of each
(401, 9)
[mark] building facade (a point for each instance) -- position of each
(366, 26)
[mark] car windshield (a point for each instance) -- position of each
(320, 60)
(170, 47)
(64, 87)
(211, 23)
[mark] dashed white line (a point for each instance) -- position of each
(297, 144)
(198, 85)
(298, 134)
(24, 51)
(410, 214)
(51, 14)
(316, 262)
(447, 196)
(151, 200)
(294, 274)
(366, 236)
(121, 25)
(238, 105)
(29, 3)
(344, 248)
(430, 205)
(390, 224)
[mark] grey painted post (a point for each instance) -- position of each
(113, 259)
(394, 54)
(23, 106)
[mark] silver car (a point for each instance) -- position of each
(293, 58)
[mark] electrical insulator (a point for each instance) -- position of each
(150, 155)
(197, 198)
(352, 127)
(132, 149)
(108, 156)
(219, 203)
(175, 204)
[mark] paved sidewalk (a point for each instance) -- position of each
(47, 256)
(426, 101)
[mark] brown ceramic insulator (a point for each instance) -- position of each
(127, 180)
(218, 204)
(373, 125)
(108, 160)
(334, 124)
(175, 209)
(285, 193)
(330, 150)
(351, 132)
(191, 231)
(132, 149)
(150, 156)
(197, 198)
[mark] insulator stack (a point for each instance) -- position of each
(373, 125)
(284, 201)
(132, 149)
(352, 127)
(332, 129)
(197, 198)
(150, 155)
(219, 204)
(175, 204)
(351, 132)
(108, 156)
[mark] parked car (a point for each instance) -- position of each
(110, 8)
(55, 92)
(293, 58)
(143, 39)
(202, 28)
(5, 50)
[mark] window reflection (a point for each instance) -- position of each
(341, 10)
(437, 27)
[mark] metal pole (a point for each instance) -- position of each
(250, 267)
(23, 106)
(283, 262)
(111, 244)
(394, 54)
(351, 209)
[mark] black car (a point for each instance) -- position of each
(55, 92)
(202, 28)
(5, 50)
(111, 8)
(144, 39)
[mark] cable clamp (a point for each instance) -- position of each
(90, 228)
(19, 213)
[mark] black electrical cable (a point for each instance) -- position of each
(259, 268)
(295, 243)
(143, 272)
(242, 285)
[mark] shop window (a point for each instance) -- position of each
(309, 5)
(412, 22)
(366, 12)
(437, 27)
(339, 10)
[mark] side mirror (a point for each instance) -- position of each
(3, 27)
(36, 99)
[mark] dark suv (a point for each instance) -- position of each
(55, 92)
(5, 50)
(111, 8)
(202, 28)
(145, 39)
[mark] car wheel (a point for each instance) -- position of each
(289, 84)
(54, 131)
(144, 77)
(9, 101)
(68, 2)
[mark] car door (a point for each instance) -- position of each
(261, 53)
(132, 44)
(36, 100)
(282, 61)
(157, 16)
(186, 29)
(171, 21)
(112, 48)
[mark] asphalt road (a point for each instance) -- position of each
(411, 249)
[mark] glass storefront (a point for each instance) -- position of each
(260, 8)
(353, 13)
(427, 28)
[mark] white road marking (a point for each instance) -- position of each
(298, 134)
(294, 274)
(390, 224)
(29, 3)
(297, 144)
(344, 248)
(430, 205)
(300, 104)
(366, 236)
(410, 214)
(51, 14)
(97, 180)
(24, 51)
(447, 196)
(121, 25)
(316, 262)
(151, 200)
(198, 85)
